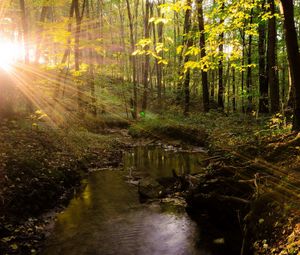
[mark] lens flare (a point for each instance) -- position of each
(10, 53)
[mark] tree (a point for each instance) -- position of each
(133, 101)
(66, 54)
(201, 47)
(91, 61)
(39, 33)
(205, 91)
(147, 57)
(271, 64)
(24, 16)
(249, 68)
(159, 70)
(263, 84)
(189, 42)
(293, 56)
(221, 52)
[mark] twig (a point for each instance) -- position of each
(233, 198)
(213, 157)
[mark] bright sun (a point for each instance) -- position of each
(10, 53)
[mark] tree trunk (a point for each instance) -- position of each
(77, 35)
(263, 84)
(24, 16)
(205, 92)
(186, 83)
(159, 65)
(66, 53)
(243, 63)
(93, 107)
(133, 101)
(186, 86)
(147, 57)
(249, 69)
(233, 90)
(272, 67)
(221, 87)
(293, 56)
(76, 51)
(39, 33)
(212, 85)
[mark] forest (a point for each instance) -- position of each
(150, 127)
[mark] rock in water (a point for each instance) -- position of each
(150, 188)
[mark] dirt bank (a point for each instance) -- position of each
(40, 170)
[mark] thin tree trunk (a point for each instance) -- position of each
(205, 92)
(212, 86)
(40, 32)
(283, 86)
(133, 101)
(24, 16)
(159, 65)
(227, 85)
(186, 86)
(78, 18)
(263, 84)
(221, 87)
(233, 90)
(66, 53)
(272, 67)
(188, 40)
(249, 69)
(147, 57)
(291, 99)
(91, 62)
(76, 50)
(243, 63)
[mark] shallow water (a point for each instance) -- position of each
(108, 218)
(159, 162)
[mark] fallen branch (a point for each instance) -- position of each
(233, 198)
(213, 157)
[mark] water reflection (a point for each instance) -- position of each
(107, 218)
(157, 162)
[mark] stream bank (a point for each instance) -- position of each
(246, 153)
(141, 208)
(41, 169)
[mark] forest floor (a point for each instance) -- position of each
(41, 168)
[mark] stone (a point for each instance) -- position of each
(150, 188)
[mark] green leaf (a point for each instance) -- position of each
(14, 246)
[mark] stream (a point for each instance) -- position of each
(108, 217)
